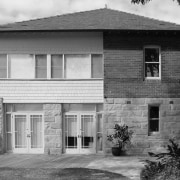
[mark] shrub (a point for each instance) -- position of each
(166, 166)
(121, 136)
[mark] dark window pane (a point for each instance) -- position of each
(41, 60)
(71, 142)
(3, 66)
(154, 112)
(154, 125)
(41, 72)
(56, 60)
(151, 55)
(3, 72)
(3, 60)
(152, 70)
(56, 66)
(41, 66)
(97, 66)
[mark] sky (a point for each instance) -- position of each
(21, 10)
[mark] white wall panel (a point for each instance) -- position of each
(87, 91)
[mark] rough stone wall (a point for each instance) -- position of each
(53, 128)
(135, 115)
(1, 126)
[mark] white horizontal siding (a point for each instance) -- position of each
(86, 91)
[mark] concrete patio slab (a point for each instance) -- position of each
(129, 166)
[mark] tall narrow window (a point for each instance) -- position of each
(3, 66)
(152, 62)
(56, 66)
(97, 66)
(153, 119)
(41, 66)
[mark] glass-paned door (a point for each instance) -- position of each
(36, 134)
(28, 133)
(87, 137)
(20, 133)
(79, 133)
(71, 134)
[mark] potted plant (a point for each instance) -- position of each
(120, 138)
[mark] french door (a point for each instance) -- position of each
(28, 133)
(80, 133)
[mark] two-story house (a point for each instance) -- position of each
(66, 80)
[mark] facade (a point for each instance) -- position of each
(66, 80)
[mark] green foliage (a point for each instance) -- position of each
(121, 135)
(140, 1)
(146, 1)
(165, 166)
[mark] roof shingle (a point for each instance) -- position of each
(100, 19)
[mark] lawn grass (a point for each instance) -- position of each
(58, 174)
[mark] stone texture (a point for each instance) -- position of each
(135, 115)
(53, 128)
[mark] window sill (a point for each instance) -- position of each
(154, 133)
(152, 79)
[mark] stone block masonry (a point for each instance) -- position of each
(134, 113)
(53, 128)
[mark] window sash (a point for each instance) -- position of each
(41, 66)
(45, 70)
(153, 120)
(152, 62)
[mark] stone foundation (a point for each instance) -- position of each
(53, 128)
(134, 113)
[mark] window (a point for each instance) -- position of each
(41, 66)
(56, 66)
(51, 66)
(21, 66)
(153, 119)
(97, 66)
(152, 62)
(77, 66)
(3, 66)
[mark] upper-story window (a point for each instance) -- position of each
(54, 66)
(3, 66)
(152, 62)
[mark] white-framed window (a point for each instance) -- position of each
(41, 66)
(57, 66)
(51, 66)
(152, 62)
(3, 66)
(154, 115)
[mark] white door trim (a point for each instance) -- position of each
(28, 149)
(79, 149)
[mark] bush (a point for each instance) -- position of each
(166, 166)
(121, 136)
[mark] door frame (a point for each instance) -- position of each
(27, 150)
(79, 149)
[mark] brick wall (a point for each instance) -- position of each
(123, 66)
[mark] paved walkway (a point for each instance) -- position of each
(129, 166)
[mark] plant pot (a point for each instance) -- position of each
(117, 151)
